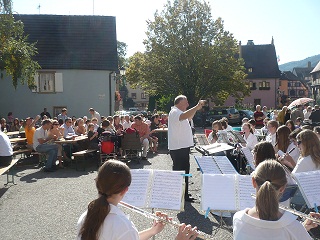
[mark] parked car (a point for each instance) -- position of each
(231, 114)
(246, 113)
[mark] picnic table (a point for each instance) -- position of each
(17, 140)
(12, 133)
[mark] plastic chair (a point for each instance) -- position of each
(207, 132)
(106, 151)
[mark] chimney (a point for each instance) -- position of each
(240, 50)
(250, 42)
(309, 64)
(272, 41)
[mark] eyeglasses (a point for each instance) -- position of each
(56, 124)
(298, 143)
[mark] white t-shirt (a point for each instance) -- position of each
(251, 141)
(246, 227)
(305, 164)
(179, 132)
(39, 133)
(5, 145)
(126, 125)
(116, 226)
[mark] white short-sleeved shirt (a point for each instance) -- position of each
(179, 132)
(305, 164)
(116, 226)
(5, 145)
(246, 227)
(39, 133)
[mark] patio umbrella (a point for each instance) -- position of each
(300, 101)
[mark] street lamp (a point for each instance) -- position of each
(122, 71)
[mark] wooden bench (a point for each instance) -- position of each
(81, 156)
(8, 170)
(22, 151)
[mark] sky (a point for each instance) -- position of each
(294, 24)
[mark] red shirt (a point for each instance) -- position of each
(143, 128)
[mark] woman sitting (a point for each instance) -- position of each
(284, 145)
(251, 140)
(80, 128)
(15, 125)
(265, 220)
(290, 125)
(262, 151)
(213, 136)
(104, 220)
(56, 132)
(272, 129)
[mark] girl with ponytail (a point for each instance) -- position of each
(264, 220)
(104, 220)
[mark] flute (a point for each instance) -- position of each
(201, 235)
(295, 212)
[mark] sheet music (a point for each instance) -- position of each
(225, 165)
(207, 164)
(217, 147)
(166, 190)
(245, 189)
(309, 185)
(249, 156)
(218, 192)
(138, 189)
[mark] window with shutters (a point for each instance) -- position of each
(48, 82)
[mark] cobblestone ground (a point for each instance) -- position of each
(48, 205)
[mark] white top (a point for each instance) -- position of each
(179, 132)
(116, 226)
(251, 141)
(305, 164)
(229, 128)
(5, 145)
(39, 133)
(271, 138)
(68, 130)
(246, 227)
(126, 125)
(295, 154)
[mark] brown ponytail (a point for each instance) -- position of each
(270, 177)
(113, 177)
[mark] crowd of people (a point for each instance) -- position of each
(42, 131)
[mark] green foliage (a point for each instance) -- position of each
(122, 52)
(188, 53)
(16, 53)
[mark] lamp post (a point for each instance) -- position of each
(122, 74)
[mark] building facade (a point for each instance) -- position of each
(78, 59)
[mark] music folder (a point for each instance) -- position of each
(156, 189)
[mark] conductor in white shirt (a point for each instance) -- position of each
(180, 135)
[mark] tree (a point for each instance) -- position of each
(188, 53)
(15, 52)
(122, 52)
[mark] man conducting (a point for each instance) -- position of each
(180, 135)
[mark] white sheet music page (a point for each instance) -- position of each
(166, 189)
(245, 188)
(309, 186)
(225, 165)
(249, 156)
(138, 189)
(218, 192)
(207, 164)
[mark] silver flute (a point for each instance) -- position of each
(297, 213)
(201, 235)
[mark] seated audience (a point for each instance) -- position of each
(144, 131)
(42, 143)
(56, 132)
(68, 128)
(15, 125)
(5, 150)
(93, 137)
(4, 126)
(80, 128)
(29, 129)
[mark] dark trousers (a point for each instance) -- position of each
(5, 161)
(181, 161)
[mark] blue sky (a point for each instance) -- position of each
(294, 24)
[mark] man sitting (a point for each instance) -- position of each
(144, 132)
(42, 143)
(68, 129)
